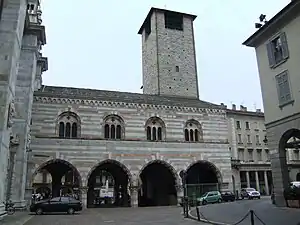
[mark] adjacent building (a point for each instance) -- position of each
(277, 47)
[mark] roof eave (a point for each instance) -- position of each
(162, 10)
(254, 38)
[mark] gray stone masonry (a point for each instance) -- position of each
(11, 32)
(165, 49)
(33, 39)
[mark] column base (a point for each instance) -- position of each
(280, 201)
(2, 211)
(20, 205)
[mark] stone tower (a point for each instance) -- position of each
(168, 52)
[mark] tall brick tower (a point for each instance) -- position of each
(168, 51)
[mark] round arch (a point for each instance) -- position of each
(158, 182)
(210, 165)
(166, 164)
(108, 183)
(157, 119)
(57, 168)
(202, 176)
(112, 161)
(59, 161)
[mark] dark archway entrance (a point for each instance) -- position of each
(158, 186)
(289, 141)
(108, 185)
(202, 177)
(64, 176)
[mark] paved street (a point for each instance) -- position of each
(118, 216)
(233, 212)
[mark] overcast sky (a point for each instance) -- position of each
(94, 44)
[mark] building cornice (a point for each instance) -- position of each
(120, 104)
(286, 14)
(245, 113)
(38, 30)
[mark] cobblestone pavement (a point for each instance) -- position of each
(117, 216)
(232, 212)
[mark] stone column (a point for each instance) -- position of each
(84, 191)
(266, 183)
(257, 181)
(11, 32)
(33, 38)
(180, 193)
(134, 196)
(248, 178)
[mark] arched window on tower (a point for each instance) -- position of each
(68, 125)
(114, 127)
(155, 129)
(193, 131)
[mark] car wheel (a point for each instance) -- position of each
(38, 211)
(219, 200)
(71, 211)
(204, 202)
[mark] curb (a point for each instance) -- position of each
(205, 221)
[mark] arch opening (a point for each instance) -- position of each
(108, 185)
(289, 145)
(57, 178)
(202, 177)
(158, 186)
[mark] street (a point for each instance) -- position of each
(117, 216)
(232, 212)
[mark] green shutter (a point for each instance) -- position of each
(270, 52)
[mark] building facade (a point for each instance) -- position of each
(145, 144)
(276, 44)
(251, 166)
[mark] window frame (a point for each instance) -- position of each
(285, 102)
(271, 50)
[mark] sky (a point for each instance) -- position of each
(95, 45)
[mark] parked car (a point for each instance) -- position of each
(228, 196)
(209, 197)
(58, 204)
(249, 193)
(295, 184)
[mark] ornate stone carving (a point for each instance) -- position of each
(11, 114)
(28, 141)
(14, 139)
(128, 105)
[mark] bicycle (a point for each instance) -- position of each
(9, 207)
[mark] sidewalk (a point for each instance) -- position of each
(19, 218)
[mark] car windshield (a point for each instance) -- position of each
(250, 189)
(204, 194)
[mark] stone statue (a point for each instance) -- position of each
(11, 114)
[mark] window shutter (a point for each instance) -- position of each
(285, 49)
(270, 51)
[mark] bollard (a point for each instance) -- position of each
(198, 213)
(252, 217)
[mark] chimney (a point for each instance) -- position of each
(242, 108)
(233, 107)
(258, 110)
